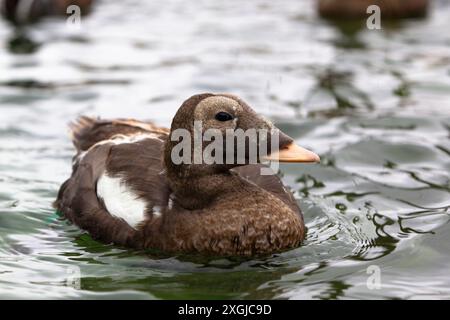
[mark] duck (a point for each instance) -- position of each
(126, 188)
(394, 9)
(28, 11)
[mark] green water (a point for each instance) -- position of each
(374, 104)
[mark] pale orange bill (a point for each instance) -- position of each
(293, 153)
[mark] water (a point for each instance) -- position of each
(374, 104)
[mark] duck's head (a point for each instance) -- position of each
(202, 144)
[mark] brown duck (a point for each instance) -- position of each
(394, 9)
(126, 189)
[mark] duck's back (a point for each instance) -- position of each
(117, 181)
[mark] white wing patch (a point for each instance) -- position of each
(116, 140)
(120, 200)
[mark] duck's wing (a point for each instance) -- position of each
(86, 131)
(117, 181)
(271, 183)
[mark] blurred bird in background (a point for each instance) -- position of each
(22, 12)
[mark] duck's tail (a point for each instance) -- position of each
(87, 131)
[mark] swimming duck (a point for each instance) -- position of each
(338, 9)
(127, 189)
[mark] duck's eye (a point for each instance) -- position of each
(224, 116)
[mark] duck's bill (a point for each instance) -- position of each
(293, 153)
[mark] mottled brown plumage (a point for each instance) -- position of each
(213, 209)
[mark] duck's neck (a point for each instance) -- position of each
(198, 191)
